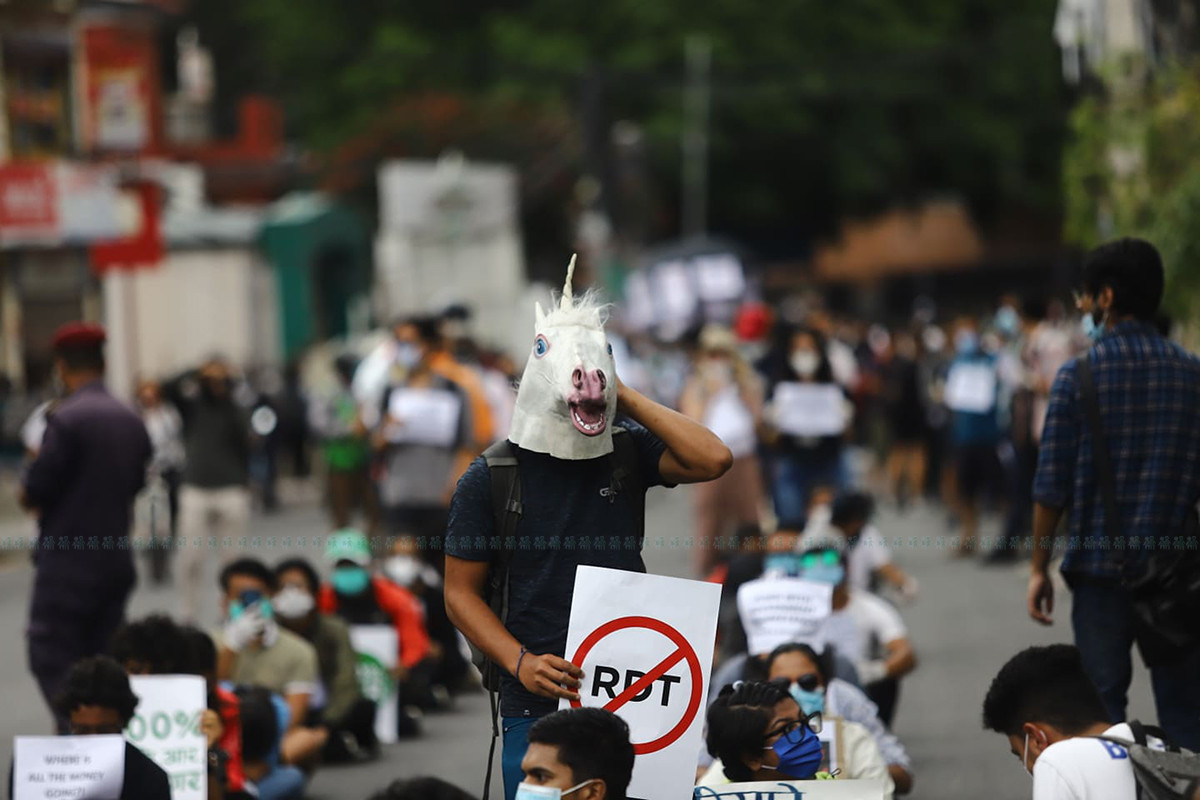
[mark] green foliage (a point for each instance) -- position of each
(819, 110)
(1131, 170)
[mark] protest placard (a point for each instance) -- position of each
(809, 409)
(424, 416)
(794, 790)
(375, 650)
(778, 610)
(971, 388)
(56, 767)
(166, 727)
(645, 645)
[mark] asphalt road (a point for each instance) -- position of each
(967, 621)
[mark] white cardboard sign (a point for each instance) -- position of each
(778, 610)
(794, 790)
(971, 388)
(645, 645)
(810, 409)
(167, 728)
(375, 650)
(424, 416)
(91, 767)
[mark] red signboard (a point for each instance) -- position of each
(124, 103)
(28, 198)
(145, 247)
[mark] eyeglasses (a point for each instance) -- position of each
(809, 682)
(821, 558)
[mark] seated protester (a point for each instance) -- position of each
(225, 768)
(253, 650)
(757, 732)
(422, 789)
(151, 646)
(806, 677)
(865, 629)
(338, 706)
(1049, 709)
(360, 598)
(405, 568)
(868, 558)
(744, 564)
(584, 753)
(261, 717)
(96, 699)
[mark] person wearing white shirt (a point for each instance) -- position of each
(1044, 703)
(844, 523)
(864, 629)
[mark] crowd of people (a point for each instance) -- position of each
(794, 423)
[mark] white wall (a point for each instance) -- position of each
(195, 304)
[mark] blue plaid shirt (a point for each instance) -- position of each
(1149, 394)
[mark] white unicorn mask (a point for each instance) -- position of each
(568, 393)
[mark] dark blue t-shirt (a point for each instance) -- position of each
(566, 521)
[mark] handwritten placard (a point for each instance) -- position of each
(778, 610)
(809, 409)
(971, 388)
(424, 416)
(794, 790)
(76, 767)
(375, 652)
(167, 728)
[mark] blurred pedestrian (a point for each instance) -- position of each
(904, 408)
(807, 427)
(338, 421)
(214, 498)
(91, 465)
(1119, 460)
(158, 504)
(725, 395)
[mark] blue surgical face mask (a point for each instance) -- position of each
(966, 343)
(799, 752)
(527, 791)
(785, 563)
(350, 581)
(832, 574)
(1091, 329)
(408, 354)
(810, 702)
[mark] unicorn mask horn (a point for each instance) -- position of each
(568, 393)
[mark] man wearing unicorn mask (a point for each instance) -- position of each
(582, 482)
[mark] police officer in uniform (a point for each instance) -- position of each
(82, 484)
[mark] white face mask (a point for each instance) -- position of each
(805, 362)
(402, 570)
(292, 602)
(527, 791)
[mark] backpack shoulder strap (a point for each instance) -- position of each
(625, 465)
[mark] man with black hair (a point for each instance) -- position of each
(1146, 392)
(91, 465)
(254, 650)
(422, 789)
(868, 558)
(1043, 701)
(151, 646)
(584, 752)
(96, 699)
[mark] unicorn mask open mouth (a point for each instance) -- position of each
(588, 404)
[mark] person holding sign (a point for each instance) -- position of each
(96, 699)
(808, 414)
(582, 481)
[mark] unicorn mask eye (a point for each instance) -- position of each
(541, 346)
(610, 349)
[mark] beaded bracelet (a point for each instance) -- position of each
(520, 658)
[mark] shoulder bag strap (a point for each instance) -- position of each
(1105, 478)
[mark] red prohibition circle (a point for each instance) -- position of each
(680, 642)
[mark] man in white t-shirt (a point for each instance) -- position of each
(864, 629)
(1046, 705)
(844, 523)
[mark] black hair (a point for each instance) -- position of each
(97, 681)
(1133, 269)
(852, 507)
(82, 358)
(201, 651)
(737, 724)
(1043, 684)
(787, 334)
(422, 789)
(155, 642)
(822, 660)
(260, 724)
(593, 742)
(428, 328)
(304, 566)
(250, 567)
(345, 365)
